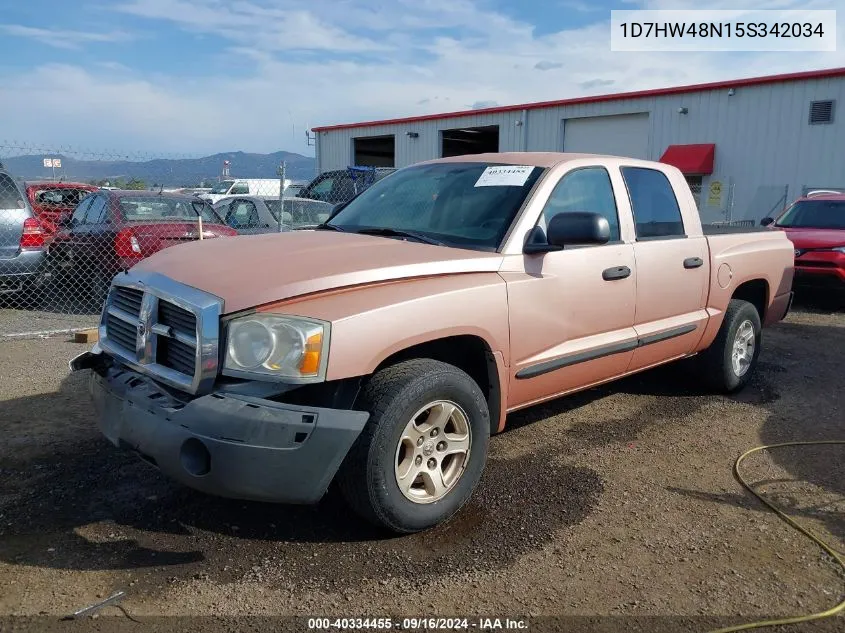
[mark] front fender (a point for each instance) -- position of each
(373, 322)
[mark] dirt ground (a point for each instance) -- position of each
(618, 503)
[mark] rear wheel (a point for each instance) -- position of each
(729, 362)
(423, 450)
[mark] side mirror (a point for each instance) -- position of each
(767, 221)
(568, 229)
(579, 227)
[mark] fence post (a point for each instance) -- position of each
(282, 171)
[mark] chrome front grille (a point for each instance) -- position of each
(128, 300)
(164, 329)
(121, 332)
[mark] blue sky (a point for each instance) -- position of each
(199, 76)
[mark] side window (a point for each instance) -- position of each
(239, 189)
(656, 210)
(323, 188)
(243, 215)
(97, 211)
(10, 195)
(587, 189)
(78, 216)
(344, 189)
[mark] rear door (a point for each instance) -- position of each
(86, 239)
(13, 212)
(673, 270)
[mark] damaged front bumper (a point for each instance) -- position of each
(223, 444)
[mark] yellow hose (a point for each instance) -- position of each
(805, 531)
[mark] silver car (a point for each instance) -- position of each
(23, 241)
(258, 214)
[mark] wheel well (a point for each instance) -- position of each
(467, 352)
(755, 292)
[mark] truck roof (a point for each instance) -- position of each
(537, 159)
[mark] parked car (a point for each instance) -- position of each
(111, 231)
(22, 242)
(53, 201)
(257, 214)
(269, 187)
(293, 189)
(382, 350)
(341, 185)
(815, 224)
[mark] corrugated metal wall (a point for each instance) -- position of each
(764, 142)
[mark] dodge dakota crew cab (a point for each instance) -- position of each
(381, 350)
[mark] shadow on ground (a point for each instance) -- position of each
(75, 502)
(804, 365)
(78, 503)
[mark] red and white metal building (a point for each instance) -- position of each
(747, 146)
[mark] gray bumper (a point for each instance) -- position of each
(226, 445)
(24, 264)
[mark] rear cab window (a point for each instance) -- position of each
(657, 214)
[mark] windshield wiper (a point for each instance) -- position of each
(328, 227)
(388, 232)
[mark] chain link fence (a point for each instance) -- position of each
(70, 220)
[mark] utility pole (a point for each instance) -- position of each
(282, 171)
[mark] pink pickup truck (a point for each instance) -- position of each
(381, 350)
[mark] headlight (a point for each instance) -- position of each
(841, 249)
(277, 346)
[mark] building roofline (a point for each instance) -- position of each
(638, 94)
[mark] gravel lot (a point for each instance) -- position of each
(618, 502)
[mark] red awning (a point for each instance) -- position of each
(691, 159)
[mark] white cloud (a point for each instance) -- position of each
(60, 38)
(393, 58)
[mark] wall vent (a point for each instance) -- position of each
(821, 112)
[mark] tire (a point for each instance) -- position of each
(717, 363)
(369, 477)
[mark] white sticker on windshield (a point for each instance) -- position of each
(504, 176)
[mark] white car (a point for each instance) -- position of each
(265, 187)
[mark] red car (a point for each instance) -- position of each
(815, 224)
(53, 201)
(110, 231)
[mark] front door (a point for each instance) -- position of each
(572, 311)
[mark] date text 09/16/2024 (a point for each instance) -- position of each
(414, 624)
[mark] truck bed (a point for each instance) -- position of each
(722, 229)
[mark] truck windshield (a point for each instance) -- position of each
(814, 214)
(222, 187)
(462, 204)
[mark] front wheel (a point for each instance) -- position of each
(729, 362)
(423, 450)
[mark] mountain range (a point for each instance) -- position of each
(170, 172)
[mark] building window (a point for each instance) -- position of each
(694, 183)
(821, 112)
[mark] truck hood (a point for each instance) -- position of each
(252, 270)
(815, 238)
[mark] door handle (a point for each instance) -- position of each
(693, 262)
(617, 272)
